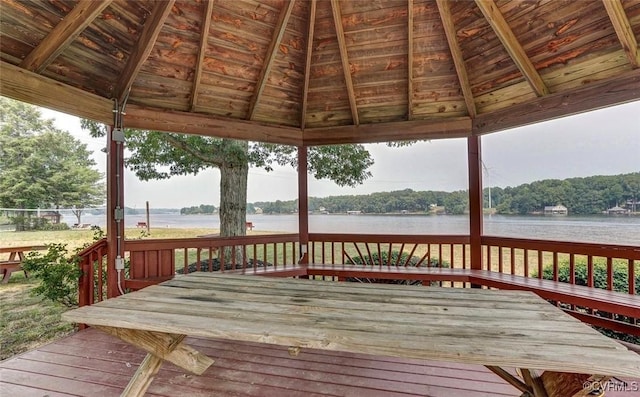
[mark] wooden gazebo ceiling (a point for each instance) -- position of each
(308, 72)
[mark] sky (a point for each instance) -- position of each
(601, 142)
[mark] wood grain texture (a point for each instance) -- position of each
(81, 16)
(623, 30)
(143, 47)
(473, 325)
(392, 62)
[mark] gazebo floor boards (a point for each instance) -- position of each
(90, 363)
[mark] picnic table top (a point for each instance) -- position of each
(488, 327)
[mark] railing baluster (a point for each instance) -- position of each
(555, 266)
(609, 273)
(400, 254)
(408, 260)
(489, 261)
(199, 258)
(513, 261)
(526, 262)
(389, 255)
(632, 277)
(572, 269)
(500, 268)
(540, 263)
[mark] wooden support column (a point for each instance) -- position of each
(115, 198)
(475, 200)
(303, 205)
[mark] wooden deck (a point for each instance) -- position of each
(91, 363)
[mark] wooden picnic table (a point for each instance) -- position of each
(16, 256)
(496, 328)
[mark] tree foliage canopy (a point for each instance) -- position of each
(161, 155)
(42, 166)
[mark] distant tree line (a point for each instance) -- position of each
(202, 209)
(590, 195)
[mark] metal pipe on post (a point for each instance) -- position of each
(474, 150)
(303, 205)
(115, 211)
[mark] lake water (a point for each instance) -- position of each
(599, 229)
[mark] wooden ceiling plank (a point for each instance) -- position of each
(500, 26)
(63, 34)
(272, 51)
(623, 30)
(337, 19)
(204, 37)
(207, 125)
(410, 59)
(609, 92)
(390, 131)
(456, 54)
(143, 47)
(307, 66)
(29, 87)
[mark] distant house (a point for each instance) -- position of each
(52, 216)
(258, 210)
(556, 210)
(354, 212)
(618, 211)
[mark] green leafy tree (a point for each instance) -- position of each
(42, 166)
(159, 155)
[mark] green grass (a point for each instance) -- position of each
(27, 321)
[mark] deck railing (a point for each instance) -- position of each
(449, 251)
(154, 260)
(93, 278)
(614, 267)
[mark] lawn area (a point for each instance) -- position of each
(28, 321)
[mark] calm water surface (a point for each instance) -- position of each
(600, 229)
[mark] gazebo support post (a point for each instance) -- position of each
(115, 207)
(303, 205)
(474, 151)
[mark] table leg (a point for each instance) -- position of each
(141, 380)
(160, 346)
(532, 379)
(512, 380)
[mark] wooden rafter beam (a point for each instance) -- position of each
(385, 132)
(623, 30)
(143, 47)
(204, 38)
(63, 34)
(510, 42)
(337, 19)
(26, 86)
(207, 125)
(613, 91)
(307, 65)
(410, 59)
(272, 51)
(456, 54)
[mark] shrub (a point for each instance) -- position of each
(620, 275)
(396, 257)
(58, 273)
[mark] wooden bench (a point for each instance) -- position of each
(141, 225)
(14, 262)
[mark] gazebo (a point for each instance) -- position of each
(308, 72)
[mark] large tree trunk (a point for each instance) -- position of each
(233, 194)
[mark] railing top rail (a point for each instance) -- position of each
(96, 245)
(594, 249)
(206, 242)
(391, 238)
